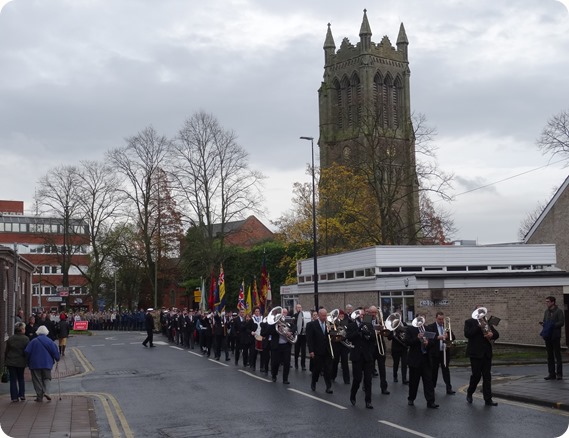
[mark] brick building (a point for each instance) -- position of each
(512, 281)
(44, 243)
(245, 233)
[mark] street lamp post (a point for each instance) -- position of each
(314, 239)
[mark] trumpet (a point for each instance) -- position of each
(419, 322)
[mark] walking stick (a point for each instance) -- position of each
(58, 378)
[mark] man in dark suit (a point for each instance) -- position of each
(236, 327)
(149, 326)
(341, 351)
(319, 349)
(439, 351)
(280, 349)
(380, 348)
(419, 365)
(480, 336)
(300, 345)
(360, 334)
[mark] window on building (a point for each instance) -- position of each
(349, 274)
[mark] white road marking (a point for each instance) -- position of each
(396, 426)
(255, 376)
(98, 345)
(195, 354)
(218, 362)
(118, 344)
(176, 348)
(317, 398)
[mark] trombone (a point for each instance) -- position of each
(447, 330)
(331, 324)
(379, 333)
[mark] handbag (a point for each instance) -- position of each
(5, 377)
(547, 330)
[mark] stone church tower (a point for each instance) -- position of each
(365, 123)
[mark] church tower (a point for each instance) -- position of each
(365, 123)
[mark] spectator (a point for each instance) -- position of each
(15, 360)
(41, 353)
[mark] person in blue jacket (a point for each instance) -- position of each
(41, 354)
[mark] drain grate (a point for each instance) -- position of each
(189, 431)
(120, 372)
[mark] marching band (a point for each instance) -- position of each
(332, 337)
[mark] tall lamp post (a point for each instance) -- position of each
(314, 240)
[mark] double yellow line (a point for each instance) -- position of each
(108, 401)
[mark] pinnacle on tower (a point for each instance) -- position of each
(365, 33)
(329, 46)
(402, 41)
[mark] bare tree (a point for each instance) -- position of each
(140, 162)
(58, 196)
(554, 139)
(99, 202)
(213, 178)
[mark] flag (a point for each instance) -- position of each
(241, 299)
(256, 301)
(269, 297)
(203, 301)
(264, 285)
(249, 302)
(212, 289)
(221, 290)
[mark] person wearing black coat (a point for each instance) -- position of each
(399, 352)
(62, 332)
(236, 327)
(280, 349)
(320, 350)
(149, 326)
(480, 336)
(246, 338)
(437, 351)
(361, 335)
(419, 364)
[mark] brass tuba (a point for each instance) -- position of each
(393, 324)
(282, 327)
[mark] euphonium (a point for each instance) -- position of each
(480, 315)
(282, 327)
(393, 324)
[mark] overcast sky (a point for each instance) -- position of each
(79, 76)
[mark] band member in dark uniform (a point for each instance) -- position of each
(149, 326)
(237, 326)
(207, 333)
(280, 350)
(439, 351)
(380, 348)
(480, 336)
(246, 338)
(420, 365)
(320, 350)
(190, 329)
(219, 334)
(266, 344)
(300, 345)
(341, 351)
(399, 349)
(360, 334)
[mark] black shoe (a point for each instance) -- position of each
(405, 382)
(385, 392)
(550, 377)
(227, 358)
(410, 402)
(369, 406)
(286, 382)
(491, 403)
(23, 398)
(432, 405)
(469, 398)
(274, 378)
(329, 391)
(375, 373)
(47, 397)
(144, 344)
(353, 401)
(152, 346)
(559, 377)
(303, 368)
(451, 392)
(313, 386)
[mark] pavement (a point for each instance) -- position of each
(73, 415)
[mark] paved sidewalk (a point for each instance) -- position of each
(534, 390)
(72, 416)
